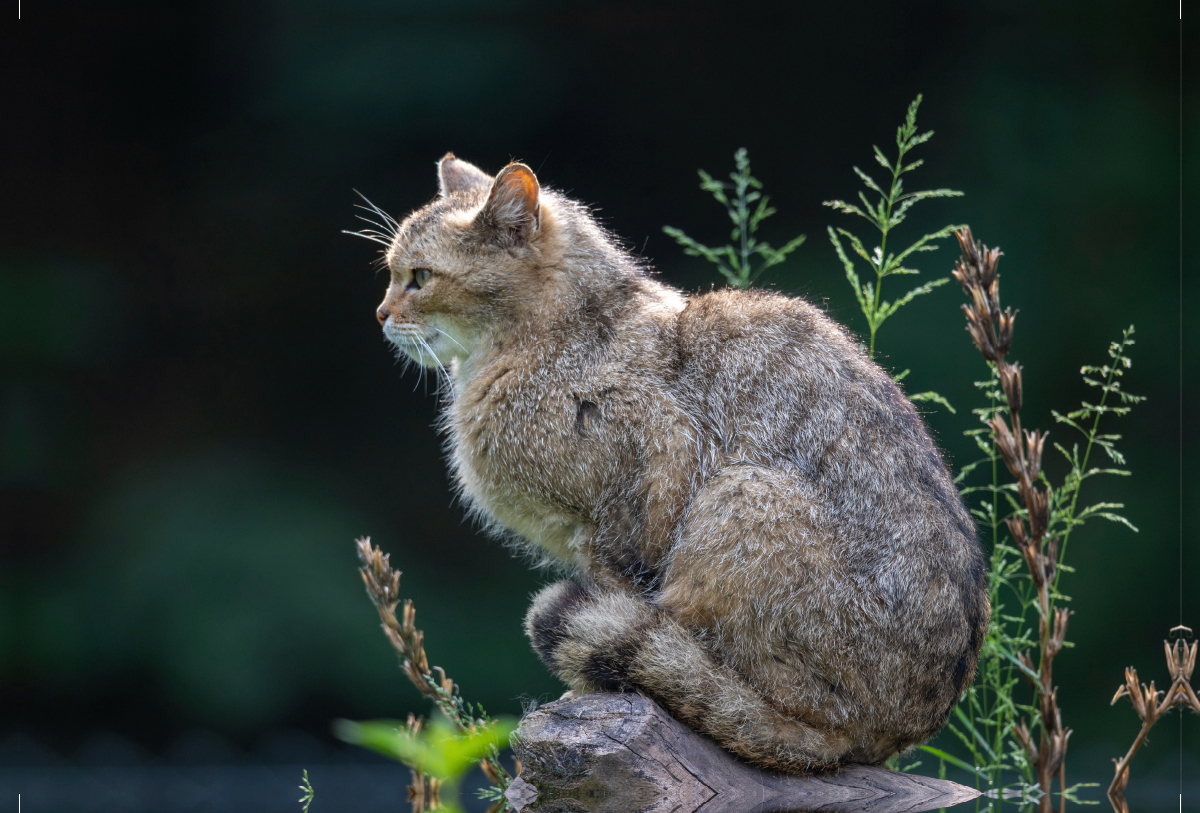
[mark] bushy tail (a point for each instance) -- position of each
(614, 642)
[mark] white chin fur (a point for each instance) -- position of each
(431, 346)
(409, 341)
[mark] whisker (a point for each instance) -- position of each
(420, 362)
(377, 210)
(387, 230)
(371, 237)
(436, 360)
(443, 376)
(377, 226)
(448, 336)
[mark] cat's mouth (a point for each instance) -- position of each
(412, 341)
(427, 345)
(403, 334)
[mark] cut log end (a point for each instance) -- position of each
(620, 753)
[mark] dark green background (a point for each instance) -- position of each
(198, 414)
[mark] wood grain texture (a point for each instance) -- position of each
(621, 753)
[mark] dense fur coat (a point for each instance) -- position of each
(760, 533)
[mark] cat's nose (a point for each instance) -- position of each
(381, 315)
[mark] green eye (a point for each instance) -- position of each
(420, 277)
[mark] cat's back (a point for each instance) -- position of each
(780, 384)
(776, 377)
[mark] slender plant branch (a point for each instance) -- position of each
(736, 264)
(885, 214)
(992, 331)
(383, 587)
(1181, 661)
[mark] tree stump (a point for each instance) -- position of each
(621, 753)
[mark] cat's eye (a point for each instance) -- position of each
(419, 278)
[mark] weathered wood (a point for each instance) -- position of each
(621, 753)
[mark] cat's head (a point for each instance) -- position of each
(466, 262)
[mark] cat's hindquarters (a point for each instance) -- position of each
(612, 641)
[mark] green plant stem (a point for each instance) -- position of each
(883, 247)
(1062, 553)
(744, 218)
(995, 590)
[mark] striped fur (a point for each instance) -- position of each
(759, 531)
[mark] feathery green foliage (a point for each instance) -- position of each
(736, 263)
(991, 717)
(885, 214)
(1063, 516)
(987, 714)
(307, 789)
(986, 719)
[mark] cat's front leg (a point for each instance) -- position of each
(617, 550)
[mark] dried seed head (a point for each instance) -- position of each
(1059, 636)
(1181, 659)
(981, 333)
(410, 618)
(1028, 548)
(1184, 696)
(977, 269)
(1150, 702)
(1050, 564)
(1016, 527)
(1037, 503)
(1034, 444)
(1021, 732)
(1027, 662)
(989, 277)
(1173, 658)
(1058, 742)
(418, 648)
(1010, 380)
(1006, 444)
(1005, 320)
(1135, 694)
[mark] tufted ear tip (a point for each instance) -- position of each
(517, 182)
(456, 175)
(513, 209)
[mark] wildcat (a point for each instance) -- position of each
(759, 532)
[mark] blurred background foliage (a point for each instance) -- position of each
(198, 414)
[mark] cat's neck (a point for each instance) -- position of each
(592, 289)
(597, 299)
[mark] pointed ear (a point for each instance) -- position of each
(459, 176)
(512, 212)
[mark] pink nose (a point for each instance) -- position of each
(381, 315)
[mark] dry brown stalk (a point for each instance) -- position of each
(383, 588)
(992, 331)
(1181, 661)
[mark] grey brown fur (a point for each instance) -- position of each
(760, 533)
